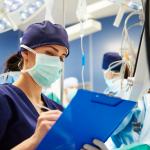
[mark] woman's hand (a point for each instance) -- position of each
(100, 144)
(44, 123)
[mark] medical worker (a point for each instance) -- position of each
(9, 79)
(111, 76)
(70, 89)
(52, 96)
(22, 124)
(124, 135)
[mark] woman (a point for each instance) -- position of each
(124, 134)
(22, 124)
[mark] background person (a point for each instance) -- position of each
(70, 89)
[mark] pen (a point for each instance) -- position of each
(43, 108)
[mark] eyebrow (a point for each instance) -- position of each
(57, 50)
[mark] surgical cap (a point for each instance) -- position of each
(72, 81)
(45, 33)
(110, 57)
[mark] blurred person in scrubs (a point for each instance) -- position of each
(51, 95)
(70, 90)
(9, 79)
(112, 77)
(124, 137)
(124, 134)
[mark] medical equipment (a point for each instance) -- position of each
(44, 108)
(16, 12)
(124, 5)
(121, 12)
(48, 15)
(62, 73)
(81, 12)
(5, 12)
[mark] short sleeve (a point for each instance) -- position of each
(5, 115)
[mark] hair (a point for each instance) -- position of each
(13, 63)
(126, 75)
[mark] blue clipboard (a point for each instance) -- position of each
(89, 116)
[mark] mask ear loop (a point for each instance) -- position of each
(28, 48)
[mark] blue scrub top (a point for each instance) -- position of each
(18, 117)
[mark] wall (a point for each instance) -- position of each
(9, 44)
(106, 40)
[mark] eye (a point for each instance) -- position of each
(49, 53)
(61, 60)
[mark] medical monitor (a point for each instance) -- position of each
(141, 76)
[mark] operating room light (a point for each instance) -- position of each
(13, 5)
(25, 11)
(31, 9)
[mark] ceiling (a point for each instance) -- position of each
(71, 6)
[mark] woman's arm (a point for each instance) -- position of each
(44, 124)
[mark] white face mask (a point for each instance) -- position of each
(46, 70)
(109, 82)
(71, 93)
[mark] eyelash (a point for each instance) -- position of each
(61, 60)
(51, 54)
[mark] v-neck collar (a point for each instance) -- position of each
(26, 99)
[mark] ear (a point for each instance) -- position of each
(24, 55)
(65, 91)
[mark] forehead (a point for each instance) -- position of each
(58, 48)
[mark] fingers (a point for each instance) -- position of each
(52, 112)
(49, 116)
(89, 147)
(46, 125)
(53, 117)
(100, 144)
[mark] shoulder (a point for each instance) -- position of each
(5, 89)
(52, 104)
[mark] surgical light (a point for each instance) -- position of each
(124, 6)
(23, 9)
(31, 9)
(13, 5)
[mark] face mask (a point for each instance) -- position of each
(71, 93)
(46, 70)
(109, 82)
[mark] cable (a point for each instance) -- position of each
(126, 33)
(83, 62)
(140, 23)
(81, 13)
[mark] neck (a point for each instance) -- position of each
(29, 87)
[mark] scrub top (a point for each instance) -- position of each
(52, 96)
(9, 79)
(124, 134)
(18, 117)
